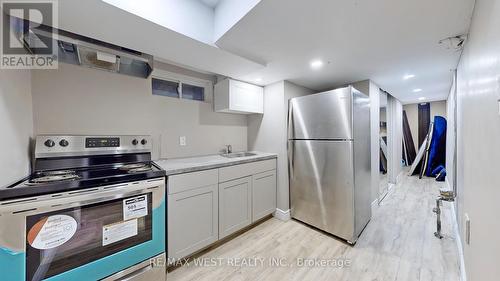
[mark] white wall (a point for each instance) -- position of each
(478, 131)
(394, 138)
(78, 100)
(438, 108)
(291, 91)
(373, 91)
(188, 17)
(16, 125)
(268, 132)
(451, 144)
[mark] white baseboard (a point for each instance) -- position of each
(458, 239)
(282, 215)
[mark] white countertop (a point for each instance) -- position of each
(185, 165)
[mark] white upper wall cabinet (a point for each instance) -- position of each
(233, 96)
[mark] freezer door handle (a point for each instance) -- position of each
(290, 120)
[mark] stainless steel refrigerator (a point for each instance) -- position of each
(329, 161)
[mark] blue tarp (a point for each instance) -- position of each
(437, 149)
(438, 170)
(441, 176)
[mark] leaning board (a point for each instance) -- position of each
(420, 154)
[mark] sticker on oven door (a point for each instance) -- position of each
(135, 207)
(112, 233)
(51, 232)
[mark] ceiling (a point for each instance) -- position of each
(381, 40)
(276, 40)
(210, 3)
(126, 29)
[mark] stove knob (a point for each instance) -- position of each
(135, 142)
(49, 143)
(144, 141)
(63, 143)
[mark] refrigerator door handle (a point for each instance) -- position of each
(290, 159)
(290, 142)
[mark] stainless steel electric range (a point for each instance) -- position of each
(93, 209)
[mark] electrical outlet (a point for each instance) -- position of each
(182, 140)
(467, 229)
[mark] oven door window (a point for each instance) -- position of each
(65, 239)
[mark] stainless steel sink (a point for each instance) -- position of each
(238, 154)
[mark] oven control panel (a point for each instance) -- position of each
(102, 142)
(65, 145)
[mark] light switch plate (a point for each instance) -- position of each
(182, 140)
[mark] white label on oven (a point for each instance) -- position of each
(51, 232)
(112, 233)
(135, 207)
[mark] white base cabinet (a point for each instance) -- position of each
(206, 206)
(192, 213)
(235, 205)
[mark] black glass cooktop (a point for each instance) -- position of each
(52, 181)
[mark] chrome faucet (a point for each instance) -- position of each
(229, 149)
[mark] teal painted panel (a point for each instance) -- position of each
(12, 264)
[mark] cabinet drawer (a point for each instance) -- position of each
(244, 170)
(183, 182)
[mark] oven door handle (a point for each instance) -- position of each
(78, 203)
(80, 198)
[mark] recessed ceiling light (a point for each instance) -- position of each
(421, 98)
(408, 76)
(316, 64)
(258, 79)
(417, 90)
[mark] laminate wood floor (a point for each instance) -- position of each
(397, 244)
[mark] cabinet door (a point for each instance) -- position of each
(263, 194)
(246, 97)
(192, 220)
(235, 205)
